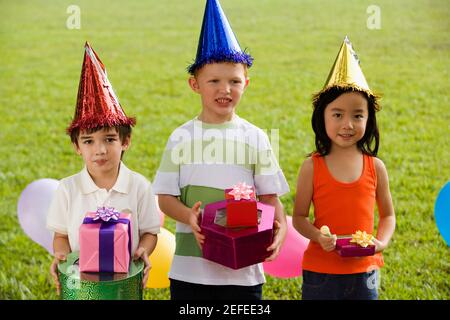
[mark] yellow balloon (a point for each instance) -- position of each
(161, 259)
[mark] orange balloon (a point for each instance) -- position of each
(161, 259)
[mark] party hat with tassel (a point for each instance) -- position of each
(97, 104)
(346, 71)
(217, 42)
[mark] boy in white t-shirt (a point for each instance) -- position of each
(100, 133)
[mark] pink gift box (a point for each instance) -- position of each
(105, 246)
(347, 249)
(236, 247)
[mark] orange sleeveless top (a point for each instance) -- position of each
(344, 208)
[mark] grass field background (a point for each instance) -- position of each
(146, 47)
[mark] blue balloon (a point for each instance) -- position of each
(442, 212)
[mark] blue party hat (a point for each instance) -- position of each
(217, 42)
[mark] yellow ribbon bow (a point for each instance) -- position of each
(362, 238)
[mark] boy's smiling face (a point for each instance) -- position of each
(220, 86)
(101, 151)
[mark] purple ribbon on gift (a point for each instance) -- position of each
(106, 214)
(108, 217)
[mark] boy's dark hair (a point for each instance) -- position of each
(197, 70)
(124, 132)
(370, 141)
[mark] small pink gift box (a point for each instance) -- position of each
(236, 247)
(105, 246)
(347, 249)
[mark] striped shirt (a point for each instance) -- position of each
(199, 162)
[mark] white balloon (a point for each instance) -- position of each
(32, 207)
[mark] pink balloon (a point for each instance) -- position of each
(288, 264)
(32, 207)
(161, 214)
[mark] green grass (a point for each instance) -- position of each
(146, 47)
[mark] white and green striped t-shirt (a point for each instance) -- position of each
(199, 162)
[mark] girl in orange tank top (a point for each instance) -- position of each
(343, 179)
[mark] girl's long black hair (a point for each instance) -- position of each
(371, 139)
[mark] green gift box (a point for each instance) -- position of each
(76, 285)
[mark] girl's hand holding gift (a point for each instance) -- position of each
(194, 218)
(327, 240)
(379, 246)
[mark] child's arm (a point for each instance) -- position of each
(175, 209)
(280, 224)
(386, 224)
(303, 197)
(61, 248)
(147, 244)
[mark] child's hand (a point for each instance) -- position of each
(276, 244)
(194, 221)
(328, 243)
(141, 253)
(379, 246)
(59, 257)
(327, 240)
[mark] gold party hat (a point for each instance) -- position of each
(346, 70)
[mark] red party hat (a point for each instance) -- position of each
(97, 104)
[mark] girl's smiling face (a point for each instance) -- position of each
(346, 119)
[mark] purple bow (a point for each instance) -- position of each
(106, 214)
